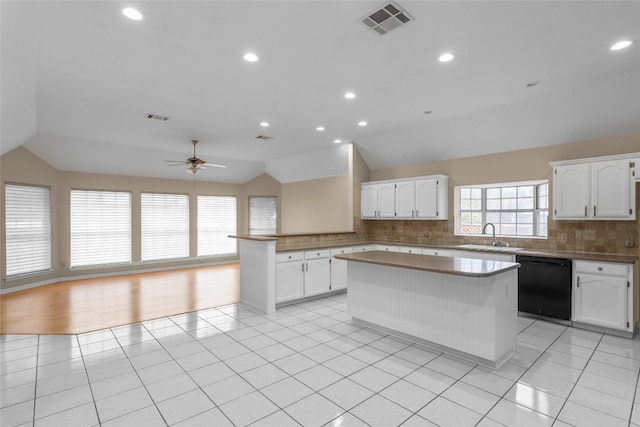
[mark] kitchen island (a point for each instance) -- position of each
(462, 306)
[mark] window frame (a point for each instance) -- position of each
(185, 230)
(275, 226)
(202, 233)
(111, 262)
(47, 234)
(538, 221)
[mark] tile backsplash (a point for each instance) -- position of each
(575, 236)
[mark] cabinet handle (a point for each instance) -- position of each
(578, 281)
(303, 267)
(307, 266)
(417, 214)
(599, 268)
(594, 210)
(585, 211)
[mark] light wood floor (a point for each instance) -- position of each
(79, 306)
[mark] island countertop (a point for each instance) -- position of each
(437, 264)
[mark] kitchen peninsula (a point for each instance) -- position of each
(466, 307)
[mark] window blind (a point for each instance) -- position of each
(217, 219)
(28, 229)
(165, 226)
(100, 227)
(262, 215)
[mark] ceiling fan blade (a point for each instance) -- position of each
(216, 165)
(177, 161)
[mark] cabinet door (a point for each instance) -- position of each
(610, 189)
(317, 277)
(338, 274)
(368, 200)
(289, 281)
(571, 185)
(427, 198)
(387, 200)
(601, 300)
(405, 199)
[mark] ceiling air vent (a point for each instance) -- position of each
(264, 137)
(388, 17)
(157, 117)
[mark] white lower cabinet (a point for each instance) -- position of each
(317, 272)
(602, 294)
(339, 269)
(305, 274)
(387, 248)
(289, 276)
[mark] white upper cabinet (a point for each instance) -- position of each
(387, 200)
(419, 198)
(431, 198)
(610, 183)
(594, 189)
(369, 200)
(571, 186)
(405, 199)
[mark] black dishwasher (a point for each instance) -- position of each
(544, 286)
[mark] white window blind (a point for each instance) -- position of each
(100, 227)
(165, 226)
(217, 219)
(28, 229)
(262, 215)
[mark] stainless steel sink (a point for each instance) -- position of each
(490, 248)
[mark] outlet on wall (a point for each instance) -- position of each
(629, 242)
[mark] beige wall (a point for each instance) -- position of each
(316, 206)
(20, 166)
(361, 173)
(530, 164)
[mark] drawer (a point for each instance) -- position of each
(338, 251)
(410, 250)
(319, 253)
(388, 248)
(437, 252)
(607, 268)
(289, 256)
(362, 248)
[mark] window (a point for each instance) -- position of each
(100, 227)
(165, 226)
(517, 209)
(262, 215)
(28, 229)
(216, 221)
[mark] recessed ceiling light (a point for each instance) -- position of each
(337, 141)
(320, 128)
(132, 13)
(446, 57)
(362, 123)
(251, 57)
(349, 95)
(622, 44)
(264, 124)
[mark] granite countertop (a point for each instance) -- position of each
(437, 264)
(586, 256)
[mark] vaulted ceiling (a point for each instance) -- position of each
(79, 78)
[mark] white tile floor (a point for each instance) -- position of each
(309, 365)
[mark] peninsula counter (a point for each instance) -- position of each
(462, 306)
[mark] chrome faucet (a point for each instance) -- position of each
(494, 242)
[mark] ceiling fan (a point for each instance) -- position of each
(194, 164)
